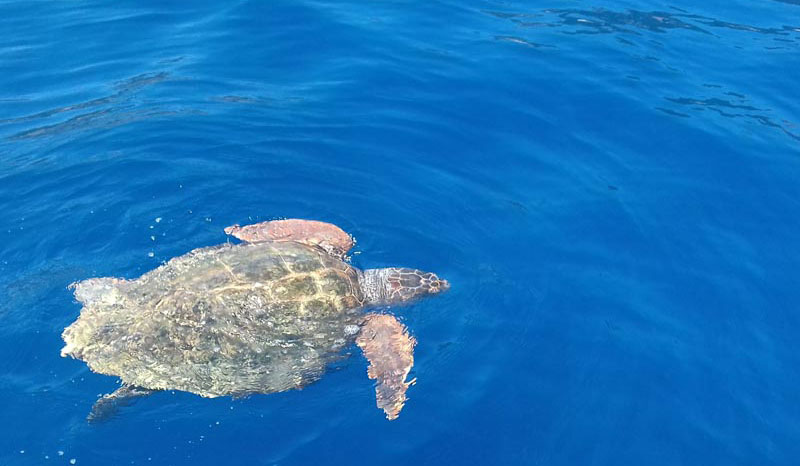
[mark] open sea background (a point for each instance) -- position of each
(611, 187)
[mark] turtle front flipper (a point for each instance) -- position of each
(390, 351)
(107, 406)
(311, 232)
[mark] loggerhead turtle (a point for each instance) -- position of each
(262, 316)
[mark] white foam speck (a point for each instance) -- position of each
(73, 461)
(151, 254)
(158, 219)
(22, 452)
(60, 453)
(152, 238)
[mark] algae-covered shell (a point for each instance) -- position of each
(222, 320)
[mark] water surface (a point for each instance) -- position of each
(611, 189)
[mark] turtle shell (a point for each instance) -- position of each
(229, 319)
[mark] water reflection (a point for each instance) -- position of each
(602, 21)
(606, 21)
(519, 40)
(732, 110)
(598, 21)
(105, 119)
(641, 29)
(118, 110)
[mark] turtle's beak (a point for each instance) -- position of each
(434, 284)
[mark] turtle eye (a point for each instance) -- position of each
(434, 284)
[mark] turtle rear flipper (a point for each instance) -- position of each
(108, 405)
(390, 351)
(327, 236)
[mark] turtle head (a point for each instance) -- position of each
(395, 285)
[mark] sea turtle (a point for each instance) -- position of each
(262, 316)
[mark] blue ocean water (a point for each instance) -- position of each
(611, 188)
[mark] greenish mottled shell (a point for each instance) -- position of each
(230, 319)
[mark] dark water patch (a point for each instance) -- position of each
(730, 109)
(124, 88)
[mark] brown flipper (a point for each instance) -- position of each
(108, 405)
(314, 233)
(390, 351)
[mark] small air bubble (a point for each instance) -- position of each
(208, 219)
(73, 461)
(151, 227)
(158, 219)
(60, 453)
(22, 452)
(151, 254)
(152, 238)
